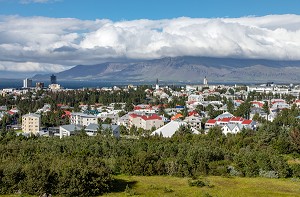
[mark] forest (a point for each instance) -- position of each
(85, 166)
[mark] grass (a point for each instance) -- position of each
(218, 186)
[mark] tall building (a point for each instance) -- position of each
(205, 81)
(39, 85)
(31, 123)
(53, 79)
(157, 85)
(27, 83)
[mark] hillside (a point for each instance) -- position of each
(192, 69)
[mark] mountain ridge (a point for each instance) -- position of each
(192, 69)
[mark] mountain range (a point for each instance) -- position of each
(186, 69)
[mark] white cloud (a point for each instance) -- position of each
(68, 41)
(30, 67)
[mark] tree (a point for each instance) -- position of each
(107, 121)
(266, 109)
(230, 106)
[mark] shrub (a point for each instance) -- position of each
(295, 170)
(198, 183)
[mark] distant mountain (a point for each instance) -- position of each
(189, 69)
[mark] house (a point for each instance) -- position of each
(92, 129)
(195, 98)
(169, 129)
(124, 120)
(113, 115)
(231, 128)
(177, 116)
(231, 124)
(194, 121)
(297, 102)
(224, 115)
(31, 123)
(210, 123)
(145, 122)
(68, 130)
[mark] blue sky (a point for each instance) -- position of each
(150, 9)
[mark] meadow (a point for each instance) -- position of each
(218, 186)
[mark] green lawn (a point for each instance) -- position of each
(220, 186)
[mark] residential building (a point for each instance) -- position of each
(195, 98)
(169, 129)
(230, 124)
(91, 130)
(83, 119)
(194, 121)
(113, 115)
(68, 130)
(31, 123)
(145, 122)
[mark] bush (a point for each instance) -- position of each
(198, 183)
(295, 170)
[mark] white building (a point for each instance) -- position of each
(27, 83)
(194, 121)
(169, 129)
(54, 87)
(83, 119)
(113, 115)
(195, 98)
(145, 122)
(31, 123)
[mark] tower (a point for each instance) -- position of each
(53, 79)
(157, 85)
(205, 81)
(27, 83)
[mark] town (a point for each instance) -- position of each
(134, 111)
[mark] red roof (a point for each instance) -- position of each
(193, 113)
(247, 122)
(67, 113)
(153, 117)
(137, 107)
(224, 120)
(144, 117)
(239, 101)
(11, 112)
(236, 119)
(211, 121)
(260, 104)
(176, 116)
(133, 115)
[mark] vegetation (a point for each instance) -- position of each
(218, 186)
(89, 166)
(85, 166)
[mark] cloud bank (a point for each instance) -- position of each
(52, 43)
